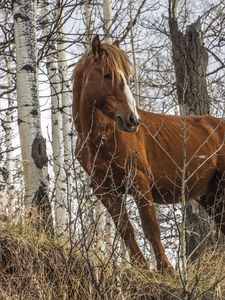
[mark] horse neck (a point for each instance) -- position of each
(86, 116)
(89, 121)
(77, 87)
(82, 110)
(91, 124)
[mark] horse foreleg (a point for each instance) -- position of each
(118, 212)
(143, 196)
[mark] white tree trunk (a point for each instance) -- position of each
(66, 107)
(9, 140)
(7, 163)
(100, 224)
(56, 118)
(88, 23)
(135, 66)
(107, 19)
(2, 168)
(32, 143)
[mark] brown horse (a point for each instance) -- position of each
(152, 157)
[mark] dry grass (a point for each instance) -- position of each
(32, 266)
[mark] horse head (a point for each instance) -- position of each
(105, 73)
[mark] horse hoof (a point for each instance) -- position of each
(168, 270)
(165, 267)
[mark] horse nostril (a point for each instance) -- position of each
(119, 120)
(133, 120)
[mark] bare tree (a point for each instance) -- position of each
(9, 141)
(107, 20)
(33, 145)
(190, 58)
(7, 125)
(66, 106)
(56, 118)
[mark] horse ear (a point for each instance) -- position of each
(116, 43)
(96, 46)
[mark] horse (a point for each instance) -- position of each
(152, 157)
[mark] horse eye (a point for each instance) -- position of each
(108, 76)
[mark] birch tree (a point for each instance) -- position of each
(2, 171)
(135, 66)
(107, 20)
(9, 140)
(56, 119)
(87, 23)
(33, 145)
(66, 105)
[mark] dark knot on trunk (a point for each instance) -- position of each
(39, 153)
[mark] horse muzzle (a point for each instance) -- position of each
(128, 124)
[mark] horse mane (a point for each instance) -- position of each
(116, 60)
(113, 58)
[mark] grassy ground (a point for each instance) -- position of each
(32, 266)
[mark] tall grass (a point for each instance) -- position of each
(34, 266)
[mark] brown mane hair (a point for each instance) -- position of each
(113, 58)
(117, 60)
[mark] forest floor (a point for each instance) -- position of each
(33, 266)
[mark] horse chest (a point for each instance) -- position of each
(114, 163)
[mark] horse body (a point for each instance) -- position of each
(149, 160)
(157, 150)
(183, 144)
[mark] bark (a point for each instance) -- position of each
(107, 19)
(99, 227)
(35, 177)
(135, 66)
(9, 141)
(88, 23)
(56, 118)
(66, 108)
(7, 187)
(190, 60)
(3, 171)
